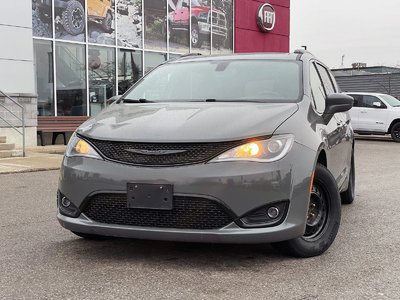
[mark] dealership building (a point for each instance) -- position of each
(62, 59)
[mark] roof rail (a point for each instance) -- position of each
(300, 51)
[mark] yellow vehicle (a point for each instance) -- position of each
(100, 11)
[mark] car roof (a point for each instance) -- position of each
(368, 94)
(237, 56)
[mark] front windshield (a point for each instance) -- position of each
(392, 101)
(229, 80)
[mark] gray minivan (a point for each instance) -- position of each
(249, 148)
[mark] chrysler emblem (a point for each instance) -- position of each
(154, 152)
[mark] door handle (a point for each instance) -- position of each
(363, 112)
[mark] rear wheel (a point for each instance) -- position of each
(323, 218)
(395, 132)
(349, 195)
(89, 236)
(74, 18)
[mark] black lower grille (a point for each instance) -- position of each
(187, 213)
(161, 154)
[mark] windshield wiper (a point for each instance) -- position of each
(141, 100)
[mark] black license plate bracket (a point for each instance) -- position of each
(150, 196)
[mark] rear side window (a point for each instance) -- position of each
(317, 90)
(368, 101)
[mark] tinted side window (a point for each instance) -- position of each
(369, 100)
(317, 90)
(326, 79)
(358, 100)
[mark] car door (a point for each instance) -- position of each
(355, 111)
(372, 118)
(331, 130)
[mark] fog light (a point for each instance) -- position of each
(273, 212)
(66, 207)
(65, 202)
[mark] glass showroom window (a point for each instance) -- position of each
(43, 60)
(155, 25)
(71, 79)
(222, 24)
(129, 69)
(152, 60)
(101, 65)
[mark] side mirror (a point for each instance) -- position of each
(113, 99)
(377, 104)
(338, 103)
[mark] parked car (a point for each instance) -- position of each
(72, 13)
(376, 114)
(180, 21)
(256, 157)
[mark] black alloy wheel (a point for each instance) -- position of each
(74, 18)
(395, 132)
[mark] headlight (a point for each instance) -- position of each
(79, 147)
(269, 150)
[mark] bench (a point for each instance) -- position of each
(58, 125)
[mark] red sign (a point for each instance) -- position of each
(266, 17)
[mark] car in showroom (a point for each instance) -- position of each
(204, 149)
(375, 113)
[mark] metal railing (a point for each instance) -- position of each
(22, 119)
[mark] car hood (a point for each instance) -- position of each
(187, 122)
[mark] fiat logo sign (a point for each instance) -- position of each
(266, 17)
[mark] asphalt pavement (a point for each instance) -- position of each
(41, 260)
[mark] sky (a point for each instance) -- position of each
(363, 30)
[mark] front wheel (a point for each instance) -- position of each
(395, 132)
(323, 218)
(196, 38)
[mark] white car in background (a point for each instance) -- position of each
(374, 113)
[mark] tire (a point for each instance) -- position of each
(321, 229)
(107, 23)
(89, 236)
(195, 36)
(349, 195)
(395, 132)
(74, 18)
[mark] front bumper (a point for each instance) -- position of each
(239, 186)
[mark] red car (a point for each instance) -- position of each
(179, 20)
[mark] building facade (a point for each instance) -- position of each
(75, 54)
(377, 79)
